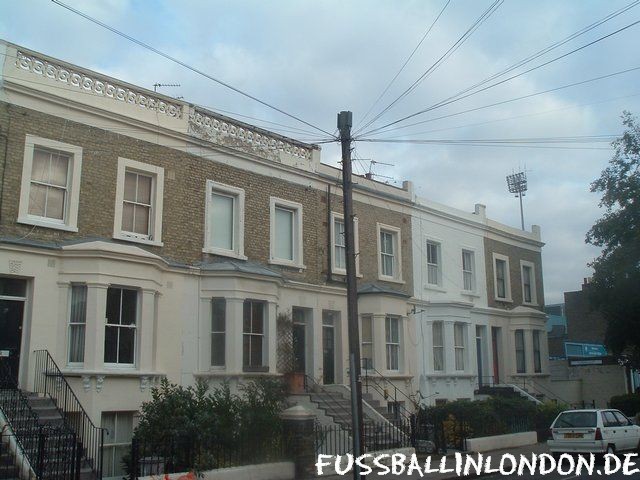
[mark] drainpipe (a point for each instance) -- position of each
(329, 252)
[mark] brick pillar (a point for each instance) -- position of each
(299, 438)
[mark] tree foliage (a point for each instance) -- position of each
(615, 289)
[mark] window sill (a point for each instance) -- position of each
(383, 278)
(530, 304)
(262, 369)
(469, 293)
(503, 300)
(126, 238)
(131, 373)
(343, 273)
(286, 263)
(40, 222)
(224, 253)
(226, 374)
(434, 288)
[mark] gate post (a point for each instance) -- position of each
(299, 437)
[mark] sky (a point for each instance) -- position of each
(313, 59)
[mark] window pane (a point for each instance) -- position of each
(59, 169)
(257, 316)
(367, 356)
(130, 180)
(127, 217)
(37, 200)
(76, 343)
(113, 305)
(438, 358)
(432, 252)
(367, 330)
(141, 219)
(222, 218)
(111, 344)
(124, 427)
(218, 315)
(256, 351)
(144, 189)
(338, 233)
(129, 311)
(109, 424)
(217, 349)
(78, 303)
(432, 274)
(284, 234)
(13, 287)
(246, 347)
(500, 278)
(459, 358)
(387, 265)
(127, 345)
(40, 165)
(55, 203)
(246, 316)
(437, 334)
(386, 242)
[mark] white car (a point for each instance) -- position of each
(593, 431)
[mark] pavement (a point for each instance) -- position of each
(526, 450)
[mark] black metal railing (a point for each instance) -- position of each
(34, 449)
(176, 454)
(50, 382)
(383, 386)
(337, 439)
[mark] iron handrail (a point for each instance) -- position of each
(50, 381)
(45, 447)
(382, 390)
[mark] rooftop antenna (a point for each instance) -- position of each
(156, 85)
(517, 184)
(370, 175)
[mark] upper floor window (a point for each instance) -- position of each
(121, 326)
(253, 335)
(459, 344)
(77, 323)
(339, 244)
(224, 223)
(389, 258)
(138, 214)
(392, 334)
(286, 233)
(520, 352)
(434, 263)
(218, 331)
(501, 278)
(50, 188)
(438, 346)
(468, 271)
(528, 282)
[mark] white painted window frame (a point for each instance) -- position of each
(397, 253)
(507, 274)
(534, 297)
(136, 328)
(71, 324)
(298, 254)
(157, 195)
(439, 346)
(334, 269)
(388, 343)
(70, 220)
(438, 245)
(474, 285)
(460, 347)
(371, 341)
(238, 220)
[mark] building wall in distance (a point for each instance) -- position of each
(583, 323)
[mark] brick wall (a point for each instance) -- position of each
(583, 323)
(515, 254)
(184, 198)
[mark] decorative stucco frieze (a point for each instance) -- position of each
(241, 137)
(96, 85)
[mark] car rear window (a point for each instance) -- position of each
(576, 419)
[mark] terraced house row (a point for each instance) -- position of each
(145, 237)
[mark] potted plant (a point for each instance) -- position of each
(293, 377)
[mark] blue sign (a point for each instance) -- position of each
(573, 349)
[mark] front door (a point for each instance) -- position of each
(328, 354)
(479, 357)
(494, 348)
(12, 298)
(298, 348)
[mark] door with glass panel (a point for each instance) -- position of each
(328, 347)
(12, 299)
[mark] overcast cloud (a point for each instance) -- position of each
(313, 59)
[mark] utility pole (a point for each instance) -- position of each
(344, 126)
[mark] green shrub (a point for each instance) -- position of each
(628, 404)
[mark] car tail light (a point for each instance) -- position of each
(598, 434)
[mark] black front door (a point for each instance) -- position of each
(298, 348)
(11, 313)
(328, 355)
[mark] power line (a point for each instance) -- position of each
(582, 82)
(545, 50)
(485, 15)
(406, 62)
(444, 103)
(185, 65)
